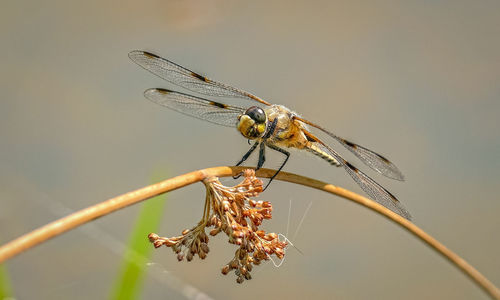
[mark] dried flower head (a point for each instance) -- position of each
(230, 210)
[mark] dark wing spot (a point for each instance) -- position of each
(200, 77)
(384, 159)
(163, 91)
(150, 55)
(392, 196)
(348, 164)
(218, 104)
(350, 144)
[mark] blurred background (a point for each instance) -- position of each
(417, 81)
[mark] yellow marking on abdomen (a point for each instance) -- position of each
(314, 149)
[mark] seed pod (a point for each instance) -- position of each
(180, 256)
(235, 208)
(271, 236)
(225, 269)
(203, 236)
(153, 237)
(233, 264)
(243, 270)
(242, 253)
(204, 247)
(247, 276)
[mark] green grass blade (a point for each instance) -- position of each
(5, 287)
(128, 284)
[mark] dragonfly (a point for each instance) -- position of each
(268, 125)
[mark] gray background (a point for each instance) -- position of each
(418, 81)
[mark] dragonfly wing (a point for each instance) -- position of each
(211, 111)
(373, 189)
(188, 79)
(374, 160)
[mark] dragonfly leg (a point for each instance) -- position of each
(282, 165)
(262, 156)
(245, 157)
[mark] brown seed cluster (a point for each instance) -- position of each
(230, 210)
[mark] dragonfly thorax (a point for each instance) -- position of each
(252, 123)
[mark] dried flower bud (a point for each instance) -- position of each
(225, 269)
(243, 270)
(153, 237)
(204, 247)
(270, 236)
(267, 204)
(203, 237)
(230, 210)
(233, 264)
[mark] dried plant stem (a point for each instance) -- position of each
(83, 216)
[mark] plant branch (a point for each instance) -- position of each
(83, 216)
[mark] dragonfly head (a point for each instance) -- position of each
(252, 123)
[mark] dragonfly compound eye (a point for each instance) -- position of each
(256, 114)
(252, 124)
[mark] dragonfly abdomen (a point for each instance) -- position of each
(315, 149)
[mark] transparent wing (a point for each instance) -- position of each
(188, 79)
(373, 189)
(374, 160)
(200, 108)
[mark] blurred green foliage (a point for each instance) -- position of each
(129, 280)
(5, 287)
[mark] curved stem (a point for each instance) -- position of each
(83, 216)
